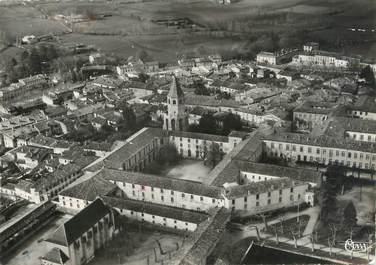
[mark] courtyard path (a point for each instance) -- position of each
(305, 240)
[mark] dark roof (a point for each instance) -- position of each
(323, 141)
(247, 150)
(134, 143)
(156, 209)
(202, 241)
(341, 125)
(366, 103)
(233, 192)
(175, 89)
(88, 190)
(315, 107)
(72, 229)
(302, 174)
(238, 134)
(56, 255)
(202, 136)
(181, 185)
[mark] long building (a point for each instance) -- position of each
(321, 150)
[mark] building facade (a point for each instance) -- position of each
(321, 150)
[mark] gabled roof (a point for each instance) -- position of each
(88, 190)
(181, 185)
(175, 89)
(56, 255)
(72, 229)
(156, 209)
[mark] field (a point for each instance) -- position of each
(21, 20)
(122, 28)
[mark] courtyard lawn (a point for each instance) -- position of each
(188, 169)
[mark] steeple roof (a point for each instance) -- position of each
(175, 89)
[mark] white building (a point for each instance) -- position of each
(322, 150)
(364, 108)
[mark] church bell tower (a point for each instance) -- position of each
(176, 117)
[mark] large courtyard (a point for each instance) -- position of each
(194, 170)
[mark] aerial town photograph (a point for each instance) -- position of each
(187, 132)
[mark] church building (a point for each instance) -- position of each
(176, 118)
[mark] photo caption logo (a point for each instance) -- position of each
(352, 246)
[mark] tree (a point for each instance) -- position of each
(143, 77)
(349, 216)
(129, 116)
(200, 88)
(207, 124)
(369, 76)
(328, 203)
(231, 122)
(214, 155)
(144, 56)
(168, 154)
(34, 62)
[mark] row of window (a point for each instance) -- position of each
(329, 161)
(143, 189)
(362, 137)
(322, 151)
(269, 201)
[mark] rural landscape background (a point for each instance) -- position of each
(239, 30)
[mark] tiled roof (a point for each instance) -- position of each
(134, 143)
(56, 255)
(181, 185)
(366, 103)
(245, 150)
(175, 89)
(315, 107)
(49, 181)
(340, 125)
(156, 209)
(238, 134)
(323, 141)
(88, 190)
(209, 101)
(99, 146)
(202, 241)
(201, 136)
(50, 142)
(294, 173)
(260, 187)
(72, 229)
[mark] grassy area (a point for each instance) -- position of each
(20, 20)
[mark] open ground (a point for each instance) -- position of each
(128, 27)
(34, 247)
